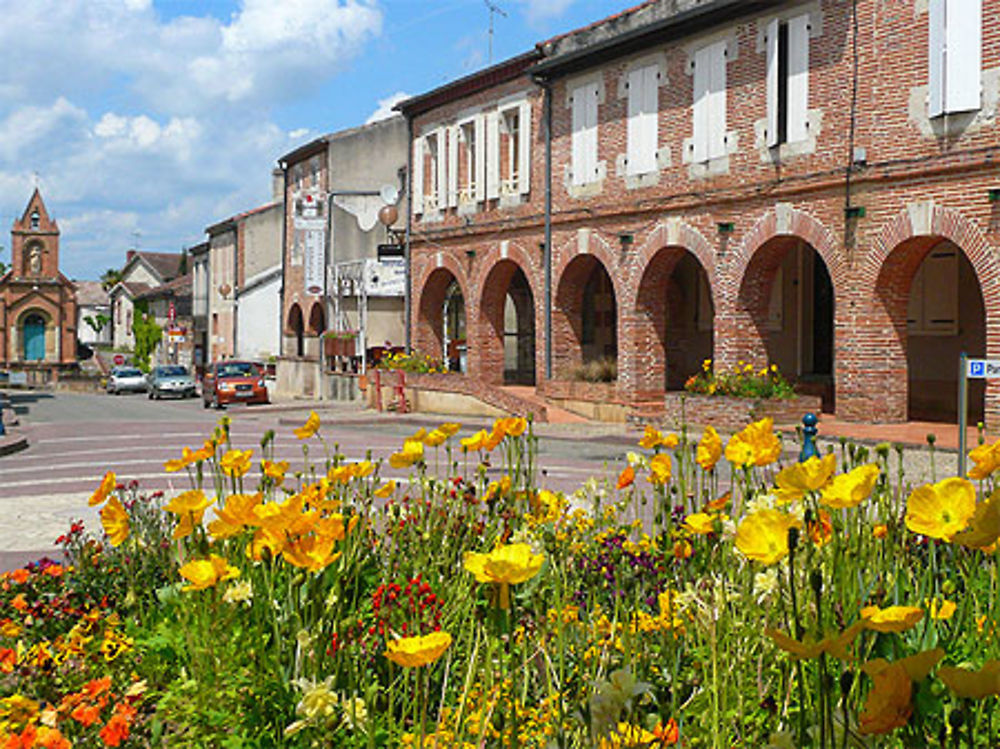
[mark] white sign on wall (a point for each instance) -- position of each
(386, 277)
(314, 241)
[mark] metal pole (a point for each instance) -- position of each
(963, 408)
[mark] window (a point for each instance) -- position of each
(787, 80)
(643, 111)
(955, 56)
(470, 165)
(508, 167)
(509, 147)
(428, 172)
(709, 109)
(584, 101)
(35, 220)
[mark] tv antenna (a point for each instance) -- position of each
(494, 8)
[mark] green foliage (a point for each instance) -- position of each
(604, 369)
(97, 322)
(412, 362)
(147, 335)
(742, 381)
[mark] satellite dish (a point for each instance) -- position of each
(389, 194)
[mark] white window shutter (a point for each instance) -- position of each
(579, 108)
(963, 55)
(702, 89)
(480, 155)
(935, 52)
(492, 155)
(798, 78)
(417, 176)
(771, 134)
(591, 132)
(524, 147)
(717, 102)
(650, 117)
(633, 157)
(452, 161)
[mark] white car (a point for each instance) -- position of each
(126, 380)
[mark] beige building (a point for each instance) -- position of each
(143, 271)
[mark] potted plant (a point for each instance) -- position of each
(340, 343)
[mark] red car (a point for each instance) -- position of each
(230, 381)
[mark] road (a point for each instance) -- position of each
(74, 438)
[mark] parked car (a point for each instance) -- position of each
(171, 379)
(126, 380)
(231, 381)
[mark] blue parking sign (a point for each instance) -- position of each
(977, 368)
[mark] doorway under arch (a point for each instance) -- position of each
(585, 318)
(506, 340)
(33, 337)
(296, 328)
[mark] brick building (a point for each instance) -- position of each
(37, 302)
(810, 184)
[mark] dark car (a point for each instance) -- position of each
(228, 382)
(170, 379)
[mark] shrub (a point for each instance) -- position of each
(604, 369)
(742, 381)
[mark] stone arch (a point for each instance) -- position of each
(429, 321)
(584, 329)
(506, 280)
(317, 319)
(884, 286)
(674, 233)
(35, 334)
(295, 328)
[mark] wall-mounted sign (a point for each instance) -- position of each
(314, 241)
(386, 277)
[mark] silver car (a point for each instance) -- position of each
(126, 380)
(170, 379)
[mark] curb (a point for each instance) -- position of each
(12, 443)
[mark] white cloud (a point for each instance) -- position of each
(539, 11)
(136, 122)
(384, 110)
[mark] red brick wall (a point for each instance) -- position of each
(919, 186)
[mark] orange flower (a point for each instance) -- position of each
(54, 570)
(117, 729)
(104, 490)
(626, 477)
(19, 603)
(8, 660)
(667, 735)
(880, 531)
(20, 576)
(86, 714)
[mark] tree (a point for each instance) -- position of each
(110, 278)
(147, 335)
(97, 322)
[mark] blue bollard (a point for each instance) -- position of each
(809, 432)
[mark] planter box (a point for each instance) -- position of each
(339, 346)
(730, 414)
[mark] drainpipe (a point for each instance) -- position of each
(547, 93)
(284, 255)
(407, 291)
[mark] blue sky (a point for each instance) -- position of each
(144, 121)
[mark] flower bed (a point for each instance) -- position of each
(326, 604)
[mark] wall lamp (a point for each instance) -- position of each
(726, 227)
(855, 211)
(994, 195)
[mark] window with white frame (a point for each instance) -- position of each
(955, 56)
(642, 86)
(470, 164)
(428, 172)
(709, 107)
(509, 143)
(508, 165)
(787, 80)
(584, 164)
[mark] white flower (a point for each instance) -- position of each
(765, 584)
(240, 591)
(355, 712)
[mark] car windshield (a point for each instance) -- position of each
(129, 373)
(237, 369)
(171, 371)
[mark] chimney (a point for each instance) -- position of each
(277, 185)
(129, 255)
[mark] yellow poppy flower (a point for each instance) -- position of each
(234, 515)
(972, 685)
(275, 470)
(386, 490)
(659, 469)
(835, 645)
(763, 535)
(450, 428)
(798, 479)
(700, 523)
(206, 573)
(941, 610)
(986, 459)
(494, 438)
(412, 452)
(756, 445)
(512, 426)
(892, 619)
(709, 449)
(312, 553)
(627, 736)
(475, 442)
(851, 489)
(188, 456)
(941, 510)
(192, 502)
(308, 429)
(236, 463)
(115, 521)
(435, 438)
(505, 565)
(107, 486)
(651, 438)
(887, 706)
(984, 526)
(415, 652)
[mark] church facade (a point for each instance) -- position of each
(37, 302)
